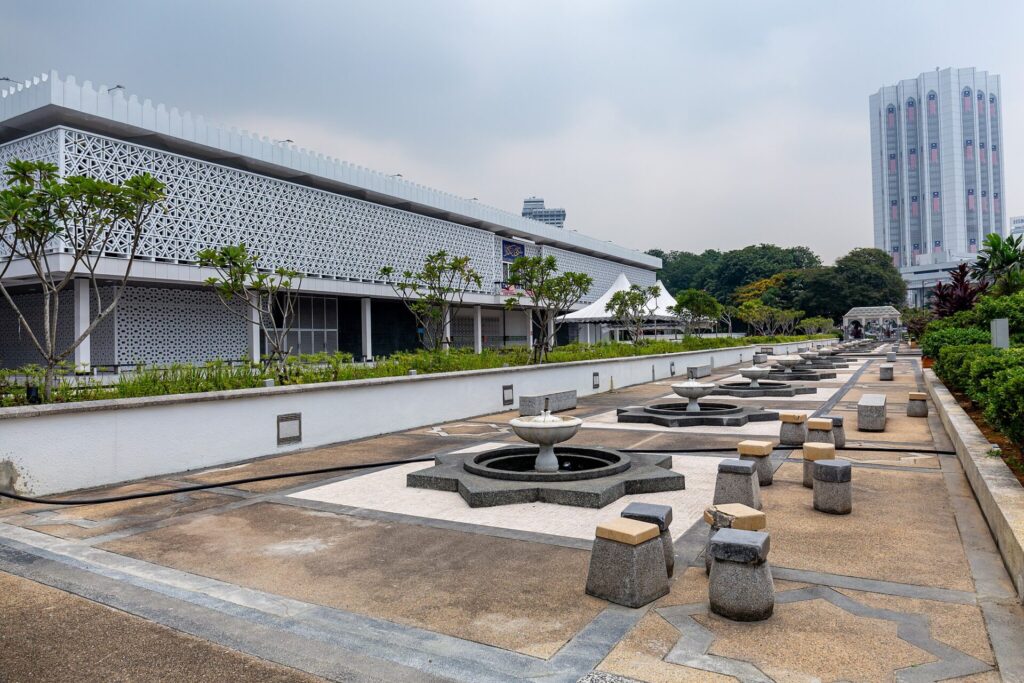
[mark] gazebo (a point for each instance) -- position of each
(881, 320)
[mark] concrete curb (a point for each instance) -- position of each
(999, 494)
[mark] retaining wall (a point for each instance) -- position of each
(55, 448)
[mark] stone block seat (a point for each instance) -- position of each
(885, 372)
(917, 404)
(695, 371)
(533, 404)
(730, 516)
(627, 563)
(871, 413)
(740, 585)
(759, 453)
(737, 483)
(660, 516)
(793, 431)
(833, 487)
(812, 453)
(819, 430)
(838, 430)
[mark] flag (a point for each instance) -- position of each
(912, 159)
(995, 156)
(894, 210)
(970, 200)
(896, 256)
(931, 105)
(892, 163)
(969, 150)
(967, 101)
(981, 153)
(935, 153)
(910, 111)
(890, 119)
(938, 247)
(992, 108)
(935, 202)
(973, 246)
(915, 209)
(995, 202)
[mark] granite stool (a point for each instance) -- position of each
(793, 431)
(885, 372)
(661, 516)
(730, 516)
(740, 585)
(819, 430)
(760, 358)
(871, 413)
(833, 488)
(737, 483)
(627, 563)
(812, 453)
(758, 452)
(917, 404)
(890, 357)
(838, 431)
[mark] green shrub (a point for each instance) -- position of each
(954, 363)
(937, 337)
(983, 368)
(991, 307)
(1005, 408)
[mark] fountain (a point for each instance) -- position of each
(693, 413)
(789, 362)
(758, 386)
(754, 374)
(547, 472)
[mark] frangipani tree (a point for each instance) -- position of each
(549, 294)
(633, 307)
(63, 228)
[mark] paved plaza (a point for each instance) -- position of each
(357, 577)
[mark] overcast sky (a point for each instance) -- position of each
(654, 124)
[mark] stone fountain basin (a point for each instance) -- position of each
(693, 390)
(755, 372)
(546, 433)
(516, 463)
(708, 408)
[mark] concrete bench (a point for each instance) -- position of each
(885, 372)
(871, 413)
(627, 563)
(768, 350)
(695, 371)
(557, 401)
(917, 404)
(660, 516)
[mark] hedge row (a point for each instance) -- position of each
(992, 378)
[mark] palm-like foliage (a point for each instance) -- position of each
(957, 295)
(1001, 263)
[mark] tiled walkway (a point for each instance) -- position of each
(357, 577)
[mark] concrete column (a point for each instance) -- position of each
(366, 328)
(253, 335)
(529, 328)
(83, 353)
(478, 329)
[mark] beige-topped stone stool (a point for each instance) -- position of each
(819, 430)
(812, 453)
(730, 516)
(758, 452)
(917, 404)
(793, 431)
(627, 563)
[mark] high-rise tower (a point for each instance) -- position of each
(937, 169)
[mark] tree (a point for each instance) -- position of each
(867, 277)
(549, 292)
(69, 223)
(693, 305)
(816, 324)
(916, 320)
(1001, 263)
(269, 298)
(434, 294)
(633, 307)
(959, 294)
(760, 318)
(727, 315)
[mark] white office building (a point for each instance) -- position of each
(334, 222)
(937, 171)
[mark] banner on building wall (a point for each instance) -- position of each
(510, 251)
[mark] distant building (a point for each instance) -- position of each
(534, 209)
(1017, 225)
(936, 167)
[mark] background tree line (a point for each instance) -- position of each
(787, 278)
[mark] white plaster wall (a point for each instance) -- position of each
(65, 447)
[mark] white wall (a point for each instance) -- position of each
(64, 447)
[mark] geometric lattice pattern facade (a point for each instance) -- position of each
(318, 233)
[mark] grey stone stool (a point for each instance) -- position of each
(838, 431)
(627, 563)
(730, 516)
(819, 430)
(660, 516)
(871, 413)
(885, 372)
(890, 357)
(917, 404)
(737, 483)
(740, 586)
(759, 453)
(793, 431)
(833, 488)
(760, 358)
(812, 453)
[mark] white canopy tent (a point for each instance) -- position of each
(595, 316)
